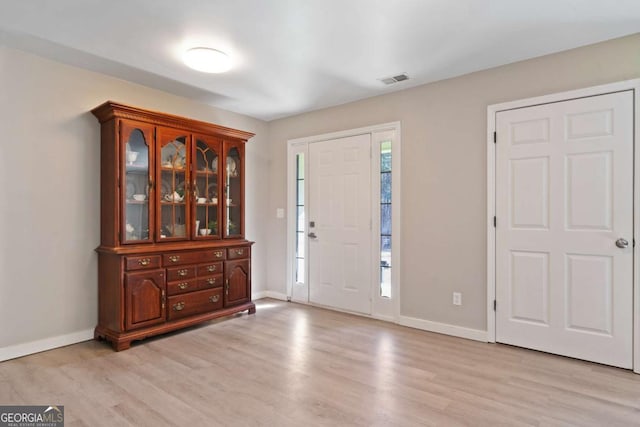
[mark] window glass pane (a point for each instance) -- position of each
(300, 245)
(385, 187)
(300, 270)
(300, 166)
(385, 266)
(300, 194)
(385, 156)
(300, 226)
(385, 219)
(385, 249)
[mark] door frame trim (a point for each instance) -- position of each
(492, 110)
(381, 308)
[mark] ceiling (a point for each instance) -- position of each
(295, 56)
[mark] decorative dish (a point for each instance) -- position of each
(231, 166)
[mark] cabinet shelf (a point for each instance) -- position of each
(137, 172)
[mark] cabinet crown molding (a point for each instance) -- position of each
(111, 109)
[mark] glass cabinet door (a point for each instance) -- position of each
(172, 187)
(233, 190)
(137, 219)
(206, 187)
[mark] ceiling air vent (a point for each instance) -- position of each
(395, 79)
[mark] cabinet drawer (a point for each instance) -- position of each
(209, 269)
(181, 273)
(142, 261)
(196, 257)
(210, 282)
(194, 303)
(180, 287)
(236, 253)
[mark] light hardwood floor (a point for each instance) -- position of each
(295, 365)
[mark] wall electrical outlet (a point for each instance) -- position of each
(457, 298)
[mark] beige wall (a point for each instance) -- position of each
(49, 174)
(443, 169)
(49, 186)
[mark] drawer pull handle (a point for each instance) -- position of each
(179, 306)
(214, 298)
(183, 286)
(239, 251)
(218, 254)
(211, 281)
(183, 273)
(174, 258)
(211, 268)
(144, 261)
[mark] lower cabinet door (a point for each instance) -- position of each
(145, 296)
(237, 286)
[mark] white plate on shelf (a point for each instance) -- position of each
(231, 166)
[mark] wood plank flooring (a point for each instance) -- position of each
(293, 365)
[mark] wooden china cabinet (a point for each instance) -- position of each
(172, 251)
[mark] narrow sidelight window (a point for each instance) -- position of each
(385, 219)
(300, 222)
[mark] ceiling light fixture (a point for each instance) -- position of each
(207, 60)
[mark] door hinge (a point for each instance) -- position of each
(495, 222)
(495, 137)
(495, 305)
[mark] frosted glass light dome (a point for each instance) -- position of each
(207, 60)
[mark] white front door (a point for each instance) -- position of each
(340, 219)
(564, 198)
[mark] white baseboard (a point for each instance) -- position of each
(443, 328)
(389, 319)
(277, 295)
(19, 350)
(258, 295)
(269, 294)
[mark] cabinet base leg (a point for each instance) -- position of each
(252, 310)
(121, 345)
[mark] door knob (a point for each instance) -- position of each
(622, 243)
(312, 235)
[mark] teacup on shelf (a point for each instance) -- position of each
(139, 197)
(202, 200)
(132, 156)
(214, 200)
(175, 197)
(205, 231)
